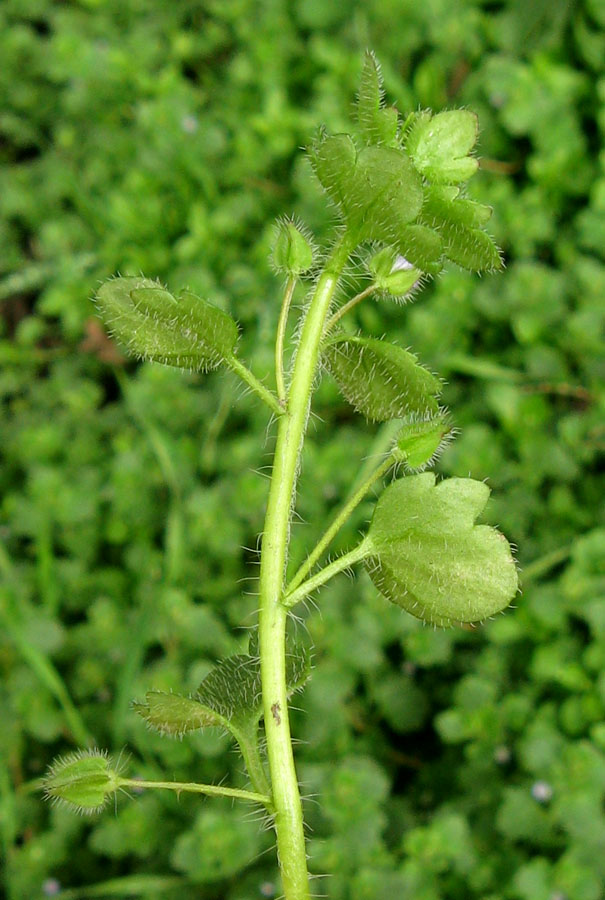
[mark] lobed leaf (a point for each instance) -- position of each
(184, 331)
(422, 246)
(431, 559)
(384, 194)
(439, 145)
(333, 160)
(377, 190)
(382, 381)
(459, 222)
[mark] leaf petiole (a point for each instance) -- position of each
(279, 341)
(336, 525)
(193, 788)
(348, 306)
(338, 565)
(253, 382)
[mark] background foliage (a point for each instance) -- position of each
(165, 138)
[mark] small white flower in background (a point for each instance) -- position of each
(189, 124)
(51, 887)
(541, 791)
(267, 889)
(502, 755)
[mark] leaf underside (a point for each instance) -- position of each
(184, 331)
(430, 557)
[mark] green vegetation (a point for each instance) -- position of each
(450, 763)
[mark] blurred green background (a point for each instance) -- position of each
(164, 138)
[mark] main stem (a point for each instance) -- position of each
(273, 615)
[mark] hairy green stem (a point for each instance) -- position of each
(192, 788)
(279, 342)
(252, 381)
(337, 523)
(273, 615)
(338, 565)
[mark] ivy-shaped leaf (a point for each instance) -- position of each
(421, 246)
(378, 125)
(459, 222)
(230, 696)
(382, 381)
(377, 190)
(184, 331)
(429, 557)
(439, 145)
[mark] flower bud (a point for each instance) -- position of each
(292, 251)
(420, 441)
(83, 781)
(393, 273)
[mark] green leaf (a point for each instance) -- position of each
(176, 715)
(233, 688)
(443, 204)
(184, 331)
(381, 380)
(421, 246)
(470, 248)
(430, 558)
(420, 441)
(378, 125)
(384, 194)
(439, 145)
(333, 159)
(230, 696)
(459, 221)
(377, 191)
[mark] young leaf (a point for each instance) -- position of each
(377, 191)
(333, 160)
(422, 246)
(431, 559)
(230, 696)
(233, 688)
(378, 125)
(184, 331)
(420, 440)
(384, 194)
(439, 145)
(176, 715)
(381, 380)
